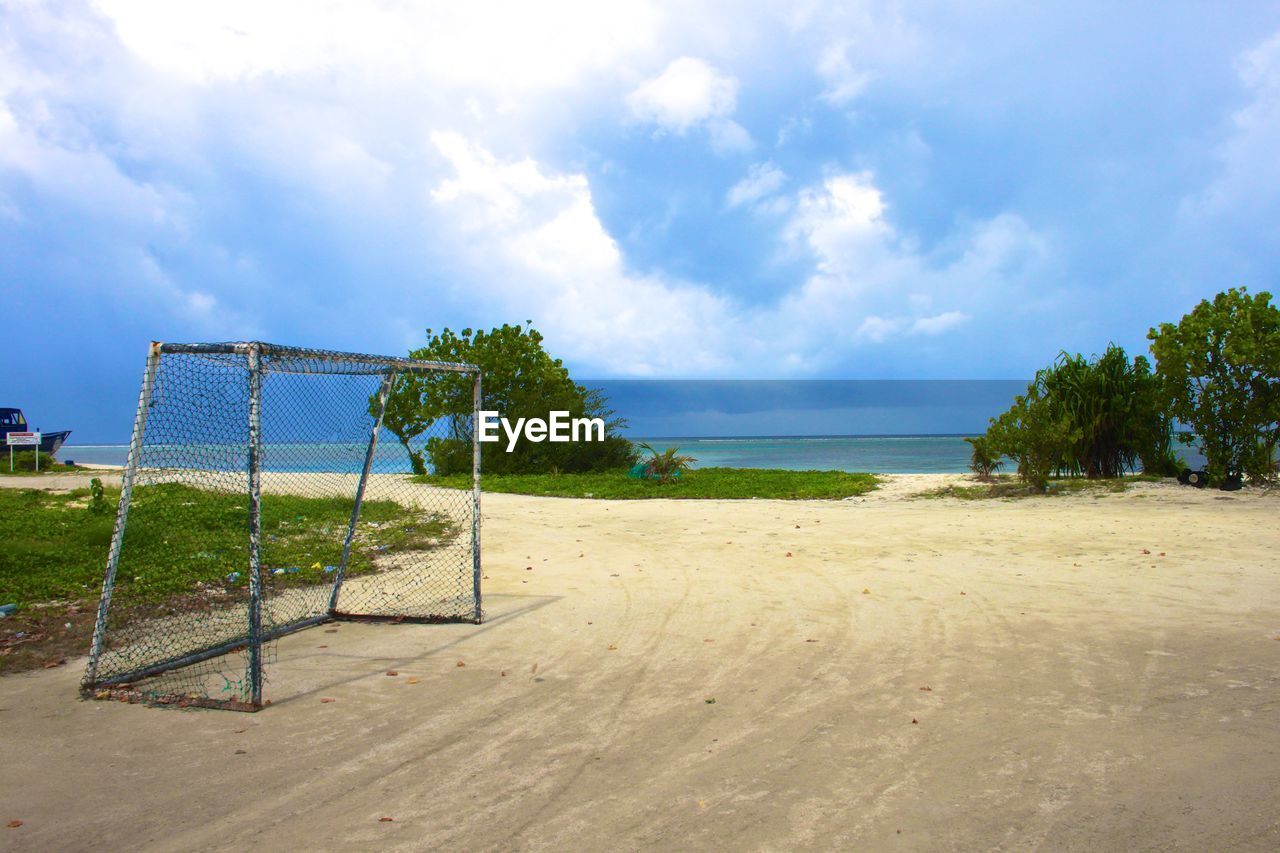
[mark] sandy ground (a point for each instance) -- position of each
(1063, 673)
(110, 476)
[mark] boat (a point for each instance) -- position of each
(12, 420)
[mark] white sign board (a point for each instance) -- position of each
(20, 439)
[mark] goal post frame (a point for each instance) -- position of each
(254, 352)
(122, 509)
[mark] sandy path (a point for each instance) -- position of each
(1083, 694)
(110, 476)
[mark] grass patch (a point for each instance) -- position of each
(1009, 486)
(182, 543)
(699, 483)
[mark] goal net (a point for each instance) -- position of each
(263, 494)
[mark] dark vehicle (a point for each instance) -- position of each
(12, 420)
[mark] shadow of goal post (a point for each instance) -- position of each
(135, 655)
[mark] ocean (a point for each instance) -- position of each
(877, 454)
(877, 426)
(880, 454)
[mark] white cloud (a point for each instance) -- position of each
(794, 128)
(537, 246)
(496, 47)
(1249, 176)
(873, 282)
(347, 167)
(844, 81)
(762, 180)
(729, 137)
(498, 193)
(688, 93)
(938, 324)
(197, 309)
(842, 221)
(878, 329)
(175, 127)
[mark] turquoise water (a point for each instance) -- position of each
(878, 454)
(883, 454)
(345, 457)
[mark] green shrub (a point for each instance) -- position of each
(520, 380)
(667, 465)
(1260, 465)
(97, 496)
(1112, 406)
(25, 460)
(985, 460)
(1037, 435)
(1096, 418)
(1219, 374)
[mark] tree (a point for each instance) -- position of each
(1219, 374)
(520, 380)
(1114, 410)
(1034, 433)
(984, 461)
(1096, 417)
(405, 416)
(667, 465)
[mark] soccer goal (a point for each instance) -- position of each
(265, 493)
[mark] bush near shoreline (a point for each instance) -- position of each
(1216, 381)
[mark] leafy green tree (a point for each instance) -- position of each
(1219, 374)
(405, 416)
(1096, 417)
(1114, 409)
(520, 380)
(1035, 433)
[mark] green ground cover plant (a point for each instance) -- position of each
(180, 542)
(697, 483)
(56, 544)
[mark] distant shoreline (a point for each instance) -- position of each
(888, 435)
(638, 438)
(904, 453)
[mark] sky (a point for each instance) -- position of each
(721, 190)
(666, 408)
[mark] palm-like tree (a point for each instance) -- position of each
(985, 460)
(665, 465)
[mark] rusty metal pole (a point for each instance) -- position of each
(476, 403)
(255, 524)
(383, 393)
(122, 510)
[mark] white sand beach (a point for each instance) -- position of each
(1078, 672)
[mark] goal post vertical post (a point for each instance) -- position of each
(255, 523)
(122, 510)
(476, 403)
(383, 393)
